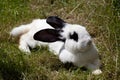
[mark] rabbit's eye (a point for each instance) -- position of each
(74, 36)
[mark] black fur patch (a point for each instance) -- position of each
(74, 36)
(55, 22)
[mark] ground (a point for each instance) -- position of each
(100, 17)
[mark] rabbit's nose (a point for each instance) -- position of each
(89, 42)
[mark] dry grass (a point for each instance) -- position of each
(100, 18)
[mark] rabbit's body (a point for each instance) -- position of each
(26, 33)
(71, 42)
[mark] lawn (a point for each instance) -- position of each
(100, 17)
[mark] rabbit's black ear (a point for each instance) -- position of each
(48, 35)
(55, 22)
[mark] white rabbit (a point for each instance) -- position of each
(71, 42)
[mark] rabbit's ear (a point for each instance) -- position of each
(55, 22)
(48, 35)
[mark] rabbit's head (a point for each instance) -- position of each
(75, 37)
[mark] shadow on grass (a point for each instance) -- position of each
(54, 64)
(12, 67)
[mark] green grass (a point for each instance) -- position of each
(100, 17)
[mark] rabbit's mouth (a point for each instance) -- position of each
(85, 48)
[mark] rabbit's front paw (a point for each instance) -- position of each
(24, 49)
(97, 72)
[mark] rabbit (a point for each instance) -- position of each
(70, 42)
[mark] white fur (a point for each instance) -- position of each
(80, 53)
(26, 33)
